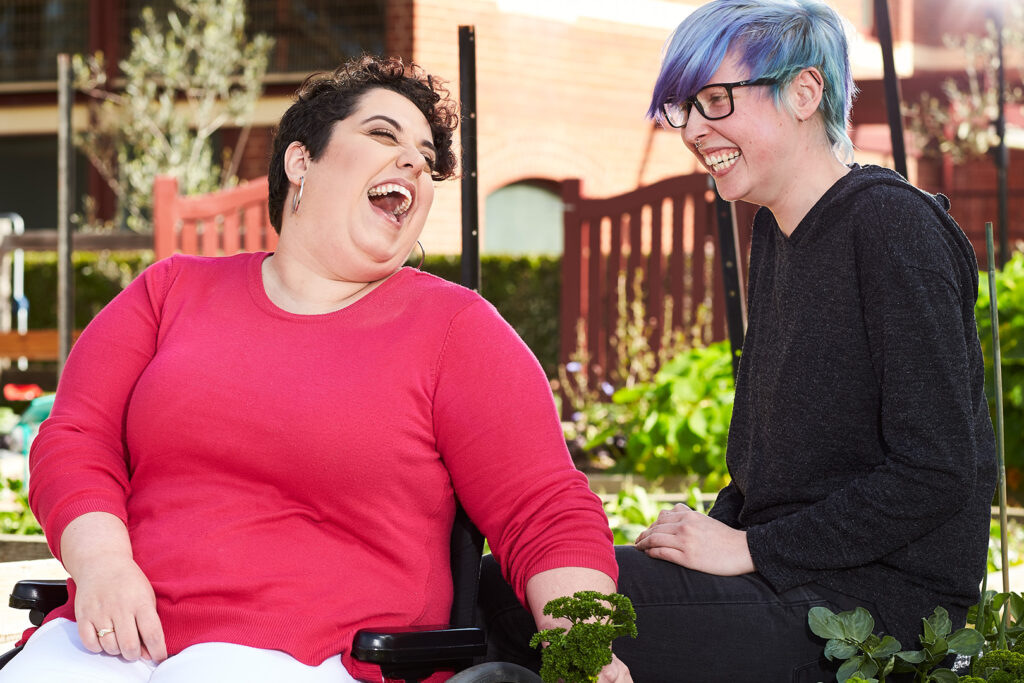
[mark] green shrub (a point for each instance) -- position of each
(678, 423)
(1010, 292)
(526, 290)
(99, 277)
(631, 512)
(20, 520)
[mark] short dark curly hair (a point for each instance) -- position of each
(328, 97)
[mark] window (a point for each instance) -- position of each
(524, 218)
(34, 32)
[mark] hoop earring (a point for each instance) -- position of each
(298, 196)
(423, 255)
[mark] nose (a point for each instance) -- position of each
(696, 128)
(412, 159)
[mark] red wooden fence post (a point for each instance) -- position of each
(165, 218)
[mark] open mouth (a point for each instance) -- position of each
(391, 198)
(720, 162)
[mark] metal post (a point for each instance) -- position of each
(1002, 154)
(735, 314)
(997, 375)
(892, 87)
(467, 138)
(65, 207)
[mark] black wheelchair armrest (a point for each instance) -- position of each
(41, 596)
(411, 653)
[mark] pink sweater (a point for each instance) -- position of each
(289, 479)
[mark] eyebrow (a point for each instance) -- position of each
(381, 117)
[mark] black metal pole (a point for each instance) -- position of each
(467, 137)
(65, 207)
(883, 27)
(1002, 154)
(734, 303)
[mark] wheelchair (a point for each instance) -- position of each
(407, 654)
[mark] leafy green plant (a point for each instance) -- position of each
(577, 654)
(654, 413)
(630, 512)
(1010, 291)
(1014, 545)
(869, 658)
(997, 617)
(595, 434)
(21, 520)
(678, 422)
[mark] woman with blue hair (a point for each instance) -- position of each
(861, 449)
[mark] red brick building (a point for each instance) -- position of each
(562, 90)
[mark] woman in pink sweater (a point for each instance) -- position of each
(250, 458)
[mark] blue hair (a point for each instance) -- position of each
(773, 39)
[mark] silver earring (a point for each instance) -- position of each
(423, 254)
(298, 196)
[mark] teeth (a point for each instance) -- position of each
(388, 188)
(720, 162)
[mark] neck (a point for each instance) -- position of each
(295, 288)
(819, 171)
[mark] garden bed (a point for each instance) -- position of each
(17, 548)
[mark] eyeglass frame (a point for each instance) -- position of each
(728, 88)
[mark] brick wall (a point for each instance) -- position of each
(556, 99)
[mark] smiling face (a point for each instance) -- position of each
(750, 153)
(366, 198)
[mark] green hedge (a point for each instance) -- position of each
(99, 276)
(525, 290)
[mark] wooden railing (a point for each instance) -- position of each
(214, 224)
(665, 234)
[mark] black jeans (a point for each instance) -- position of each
(692, 626)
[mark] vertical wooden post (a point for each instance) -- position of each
(65, 208)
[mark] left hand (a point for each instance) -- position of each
(697, 541)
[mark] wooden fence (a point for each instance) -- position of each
(215, 224)
(665, 234)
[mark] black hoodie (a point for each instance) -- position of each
(861, 450)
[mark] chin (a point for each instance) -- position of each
(730, 192)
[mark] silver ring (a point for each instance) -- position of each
(104, 632)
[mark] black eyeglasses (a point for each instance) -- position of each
(713, 101)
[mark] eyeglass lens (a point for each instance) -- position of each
(713, 102)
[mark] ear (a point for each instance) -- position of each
(806, 92)
(296, 161)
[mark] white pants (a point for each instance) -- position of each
(55, 654)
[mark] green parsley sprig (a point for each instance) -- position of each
(578, 654)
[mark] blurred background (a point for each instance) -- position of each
(563, 87)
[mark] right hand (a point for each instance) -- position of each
(118, 595)
(111, 590)
(616, 672)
